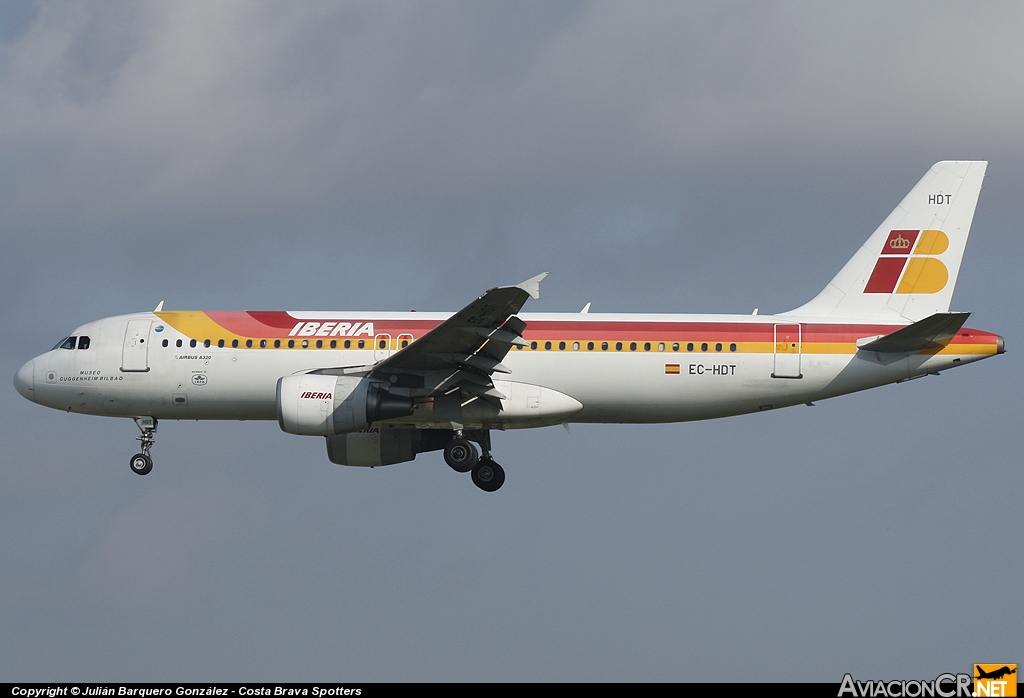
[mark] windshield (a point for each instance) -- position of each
(69, 343)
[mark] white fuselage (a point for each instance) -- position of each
(739, 371)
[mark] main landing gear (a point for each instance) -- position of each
(141, 463)
(461, 455)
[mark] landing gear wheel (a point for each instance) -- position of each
(141, 464)
(488, 475)
(461, 455)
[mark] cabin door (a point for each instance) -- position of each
(135, 354)
(788, 346)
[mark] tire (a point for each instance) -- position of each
(141, 464)
(461, 455)
(488, 476)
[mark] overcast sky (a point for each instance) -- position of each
(670, 157)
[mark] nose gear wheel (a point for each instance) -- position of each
(141, 464)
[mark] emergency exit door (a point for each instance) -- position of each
(381, 347)
(787, 352)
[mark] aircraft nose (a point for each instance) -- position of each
(24, 382)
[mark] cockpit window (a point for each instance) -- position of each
(83, 342)
(68, 343)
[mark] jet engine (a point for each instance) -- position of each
(319, 405)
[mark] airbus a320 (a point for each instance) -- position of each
(384, 387)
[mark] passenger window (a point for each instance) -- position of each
(305, 344)
(206, 343)
(533, 345)
(604, 346)
(547, 345)
(647, 346)
(263, 344)
(405, 343)
(632, 346)
(334, 344)
(689, 346)
(704, 346)
(291, 343)
(718, 347)
(178, 343)
(661, 346)
(382, 344)
(362, 343)
(248, 344)
(675, 346)
(561, 345)
(164, 343)
(83, 342)
(618, 346)
(192, 343)
(220, 343)
(319, 344)
(277, 343)
(732, 347)
(234, 343)
(348, 343)
(590, 346)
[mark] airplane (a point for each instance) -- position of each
(384, 387)
(995, 674)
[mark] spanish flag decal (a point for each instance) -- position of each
(671, 368)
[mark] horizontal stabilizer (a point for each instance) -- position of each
(933, 332)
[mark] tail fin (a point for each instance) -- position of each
(907, 269)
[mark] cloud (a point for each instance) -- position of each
(191, 108)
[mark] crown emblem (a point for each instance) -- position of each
(899, 243)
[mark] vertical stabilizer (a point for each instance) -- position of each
(907, 269)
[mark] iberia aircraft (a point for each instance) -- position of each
(383, 387)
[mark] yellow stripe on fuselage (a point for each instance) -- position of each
(196, 325)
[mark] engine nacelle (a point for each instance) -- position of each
(317, 405)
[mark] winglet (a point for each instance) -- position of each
(159, 307)
(532, 286)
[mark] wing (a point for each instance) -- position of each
(464, 351)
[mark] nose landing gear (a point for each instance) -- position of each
(461, 455)
(141, 463)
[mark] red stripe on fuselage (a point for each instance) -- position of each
(274, 324)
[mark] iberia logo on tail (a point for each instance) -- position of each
(917, 271)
